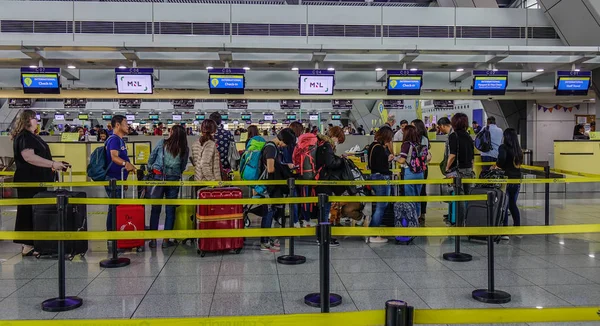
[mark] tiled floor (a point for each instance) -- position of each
(539, 271)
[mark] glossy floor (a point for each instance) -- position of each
(538, 271)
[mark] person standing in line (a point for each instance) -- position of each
(34, 163)
(167, 163)
(116, 151)
(422, 132)
(411, 144)
(510, 158)
(445, 128)
(379, 162)
(399, 135)
(496, 138)
(476, 127)
(460, 158)
(109, 129)
(223, 139)
(205, 156)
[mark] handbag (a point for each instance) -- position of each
(234, 156)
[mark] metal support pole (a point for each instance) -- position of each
(291, 258)
(398, 313)
(491, 295)
(325, 299)
(115, 261)
(457, 256)
(62, 303)
(547, 196)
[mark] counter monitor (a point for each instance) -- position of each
(248, 122)
(313, 117)
(246, 117)
(316, 84)
(200, 117)
(226, 84)
(59, 117)
(224, 117)
(573, 85)
(268, 117)
(336, 117)
(83, 117)
(404, 85)
(274, 122)
(153, 117)
(176, 117)
(490, 85)
(40, 83)
(134, 84)
(107, 117)
(130, 117)
(291, 117)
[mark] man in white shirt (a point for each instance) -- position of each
(399, 135)
(496, 138)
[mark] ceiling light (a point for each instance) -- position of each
(330, 69)
(577, 69)
(33, 67)
(539, 307)
(413, 69)
(378, 69)
(71, 67)
(539, 70)
(460, 69)
(122, 67)
(246, 68)
(294, 68)
(209, 68)
(494, 69)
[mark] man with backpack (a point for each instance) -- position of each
(488, 141)
(276, 169)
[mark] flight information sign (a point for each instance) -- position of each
(573, 82)
(226, 84)
(40, 80)
(404, 82)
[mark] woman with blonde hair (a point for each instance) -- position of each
(205, 157)
(34, 163)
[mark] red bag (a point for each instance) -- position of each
(220, 217)
(131, 218)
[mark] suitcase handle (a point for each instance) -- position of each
(134, 189)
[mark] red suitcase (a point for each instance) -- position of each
(131, 218)
(220, 217)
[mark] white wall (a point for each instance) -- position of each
(543, 128)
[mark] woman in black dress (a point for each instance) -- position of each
(34, 164)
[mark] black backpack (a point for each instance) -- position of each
(483, 141)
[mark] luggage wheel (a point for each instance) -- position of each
(139, 249)
(82, 254)
(237, 251)
(38, 256)
(71, 257)
(201, 253)
(247, 222)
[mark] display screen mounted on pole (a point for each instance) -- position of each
(316, 82)
(404, 82)
(573, 83)
(490, 82)
(226, 81)
(40, 80)
(134, 80)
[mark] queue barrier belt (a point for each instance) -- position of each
(303, 232)
(369, 317)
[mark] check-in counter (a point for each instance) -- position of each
(577, 155)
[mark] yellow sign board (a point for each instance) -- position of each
(69, 137)
(594, 135)
(243, 136)
(141, 152)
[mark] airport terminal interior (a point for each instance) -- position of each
(525, 67)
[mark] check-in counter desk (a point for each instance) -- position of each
(578, 156)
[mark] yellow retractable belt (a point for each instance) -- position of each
(304, 232)
(403, 199)
(371, 317)
(194, 202)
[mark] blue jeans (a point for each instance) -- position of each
(160, 192)
(300, 209)
(512, 192)
(413, 190)
(267, 220)
(384, 190)
(109, 225)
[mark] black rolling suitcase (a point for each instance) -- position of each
(477, 213)
(45, 218)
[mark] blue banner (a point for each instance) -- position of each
(489, 83)
(404, 82)
(226, 81)
(573, 83)
(31, 80)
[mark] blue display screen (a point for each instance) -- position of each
(226, 81)
(404, 82)
(490, 83)
(573, 83)
(40, 83)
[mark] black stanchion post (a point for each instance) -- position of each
(62, 303)
(398, 313)
(325, 299)
(457, 256)
(291, 258)
(115, 261)
(547, 196)
(491, 295)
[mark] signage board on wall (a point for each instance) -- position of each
(573, 83)
(404, 82)
(134, 80)
(316, 85)
(490, 82)
(40, 80)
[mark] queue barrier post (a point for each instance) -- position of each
(457, 256)
(324, 299)
(115, 261)
(291, 258)
(547, 196)
(398, 313)
(491, 295)
(62, 302)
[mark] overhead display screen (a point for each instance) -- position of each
(313, 117)
(246, 117)
(153, 117)
(40, 83)
(575, 85)
(490, 85)
(176, 117)
(404, 85)
(291, 117)
(59, 117)
(83, 117)
(134, 84)
(268, 117)
(316, 85)
(130, 117)
(107, 117)
(226, 84)
(200, 117)
(224, 117)
(336, 117)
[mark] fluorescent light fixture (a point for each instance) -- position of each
(378, 69)
(209, 68)
(330, 69)
(539, 70)
(32, 66)
(122, 67)
(494, 69)
(413, 69)
(539, 307)
(460, 69)
(294, 68)
(246, 68)
(71, 67)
